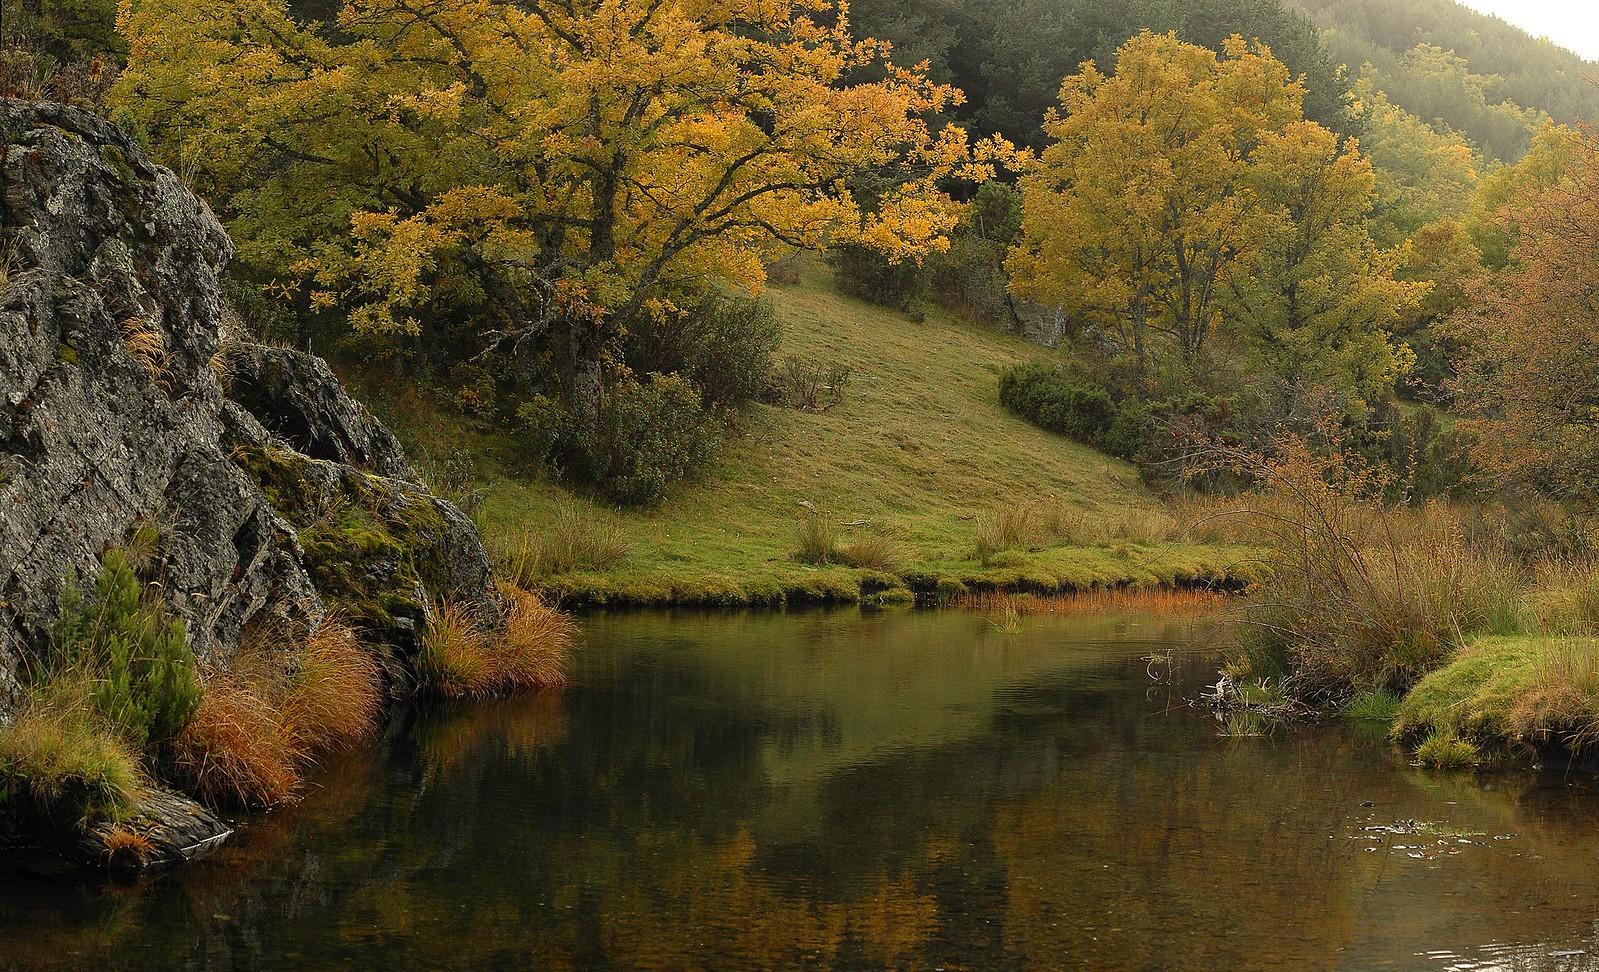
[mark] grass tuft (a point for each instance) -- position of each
(62, 759)
(334, 699)
(874, 551)
(815, 540)
(142, 338)
(126, 847)
(575, 539)
(460, 658)
(284, 700)
(1377, 706)
(236, 751)
(531, 651)
(1445, 750)
(453, 662)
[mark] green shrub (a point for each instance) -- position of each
(868, 275)
(1045, 396)
(650, 436)
(725, 344)
(144, 680)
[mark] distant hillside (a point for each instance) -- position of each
(1502, 63)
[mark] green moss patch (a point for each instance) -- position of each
(370, 545)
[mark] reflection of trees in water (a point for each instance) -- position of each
(633, 823)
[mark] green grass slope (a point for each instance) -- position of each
(919, 449)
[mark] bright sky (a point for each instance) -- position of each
(1570, 23)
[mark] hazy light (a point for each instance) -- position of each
(1572, 24)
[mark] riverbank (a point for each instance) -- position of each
(926, 485)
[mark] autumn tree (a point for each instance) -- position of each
(1423, 174)
(1137, 213)
(1314, 299)
(1531, 334)
(537, 174)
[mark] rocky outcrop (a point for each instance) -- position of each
(124, 401)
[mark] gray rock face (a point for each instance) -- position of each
(122, 403)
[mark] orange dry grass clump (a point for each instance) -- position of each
(532, 649)
(126, 846)
(461, 658)
(335, 697)
(1099, 601)
(263, 719)
(236, 751)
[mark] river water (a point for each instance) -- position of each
(862, 790)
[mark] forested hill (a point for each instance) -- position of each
(1009, 56)
(1497, 62)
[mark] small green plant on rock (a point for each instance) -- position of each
(119, 679)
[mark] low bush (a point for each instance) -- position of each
(1359, 594)
(576, 538)
(867, 274)
(1045, 396)
(653, 435)
(650, 436)
(725, 344)
(135, 656)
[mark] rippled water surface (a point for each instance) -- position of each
(863, 790)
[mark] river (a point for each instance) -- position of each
(863, 790)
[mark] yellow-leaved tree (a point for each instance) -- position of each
(1185, 196)
(544, 170)
(1136, 212)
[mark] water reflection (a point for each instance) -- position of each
(848, 790)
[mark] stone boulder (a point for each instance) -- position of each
(125, 401)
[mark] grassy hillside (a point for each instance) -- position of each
(919, 450)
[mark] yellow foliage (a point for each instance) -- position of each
(451, 148)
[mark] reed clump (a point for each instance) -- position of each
(1358, 594)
